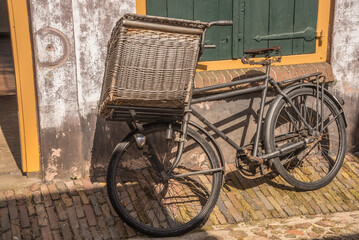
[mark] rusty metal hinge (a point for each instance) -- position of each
(308, 34)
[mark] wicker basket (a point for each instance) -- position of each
(150, 62)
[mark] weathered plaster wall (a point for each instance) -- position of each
(70, 38)
(345, 63)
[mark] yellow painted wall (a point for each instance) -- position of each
(25, 85)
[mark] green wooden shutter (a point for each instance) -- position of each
(290, 24)
(221, 36)
(306, 12)
(202, 10)
(156, 7)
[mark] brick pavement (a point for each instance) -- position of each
(80, 209)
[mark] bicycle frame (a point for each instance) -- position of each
(266, 80)
(151, 164)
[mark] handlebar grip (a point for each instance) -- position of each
(221, 23)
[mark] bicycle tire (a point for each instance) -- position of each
(186, 203)
(304, 168)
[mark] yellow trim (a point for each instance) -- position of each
(320, 54)
(25, 85)
(141, 7)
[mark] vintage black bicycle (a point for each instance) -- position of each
(165, 176)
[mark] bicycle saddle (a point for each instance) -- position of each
(260, 51)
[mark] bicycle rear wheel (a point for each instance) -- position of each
(314, 165)
(152, 204)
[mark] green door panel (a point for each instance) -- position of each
(207, 11)
(221, 36)
(238, 28)
(224, 33)
(256, 23)
(281, 15)
(306, 12)
(180, 9)
(156, 7)
(280, 23)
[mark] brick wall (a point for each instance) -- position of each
(279, 73)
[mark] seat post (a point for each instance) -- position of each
(261, 110)
(268, 68)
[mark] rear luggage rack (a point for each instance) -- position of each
(145, 114)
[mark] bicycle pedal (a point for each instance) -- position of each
(247, 158)
(262, 169)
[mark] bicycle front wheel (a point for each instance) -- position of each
(315, 164)
(152, 203)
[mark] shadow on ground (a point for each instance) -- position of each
(10, 142)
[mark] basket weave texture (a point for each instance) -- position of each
(148, 65)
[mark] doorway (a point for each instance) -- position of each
(10, 150)
(23, 103)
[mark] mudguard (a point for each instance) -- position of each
(121, 146)
(287, 90)
(294, 87)
(213, 141)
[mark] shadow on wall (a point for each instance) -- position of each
(235, 116)
(351, 106)
(107, 135)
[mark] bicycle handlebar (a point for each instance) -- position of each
(221, 23)
(215, 23)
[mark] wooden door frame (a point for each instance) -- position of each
(25, 84)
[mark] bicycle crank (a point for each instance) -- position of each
(251, 167)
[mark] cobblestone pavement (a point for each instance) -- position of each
(334, 226)
(257, 209)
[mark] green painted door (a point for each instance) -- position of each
(290, 24)
(203, 10)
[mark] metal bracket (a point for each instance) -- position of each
(137, 124)
(178, 137)
(209, 46)
(180, 140)
(320, 35)
(308, 34)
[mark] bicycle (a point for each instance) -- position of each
(165, 176)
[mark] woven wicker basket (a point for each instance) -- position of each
(150, 62)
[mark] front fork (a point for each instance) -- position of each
(182, 141)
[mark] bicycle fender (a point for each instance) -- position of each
(292, 88)
(211, 139)
(118, 149)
